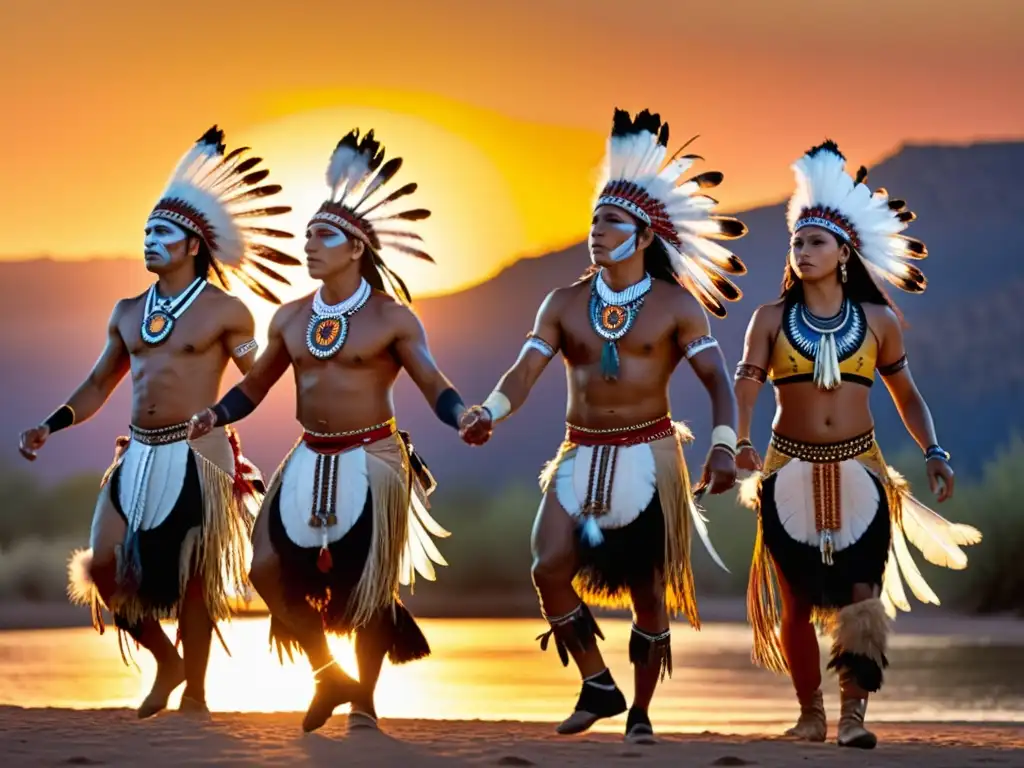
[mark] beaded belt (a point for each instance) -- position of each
(647, 432)
(823, 453)
(336, 442)
(606, 444)
(162, 436)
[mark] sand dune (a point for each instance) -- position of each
(114, 737)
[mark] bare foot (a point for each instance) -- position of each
(333, 688)
(169, 675)
(193, 704)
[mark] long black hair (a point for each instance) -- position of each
(656, 258)
(859, 287)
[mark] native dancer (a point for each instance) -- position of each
(345, 518)
(614, 526)
(171, 526)
(833, 518)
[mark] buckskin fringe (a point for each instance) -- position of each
(217, 552)
(673, 487)
(391, 489)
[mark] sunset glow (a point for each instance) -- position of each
(500, 111)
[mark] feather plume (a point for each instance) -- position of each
(207, 191)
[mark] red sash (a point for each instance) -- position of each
(644, 433)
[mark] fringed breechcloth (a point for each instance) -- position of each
(349, 523)
(830, 517)
(629, 491)
(188, 509)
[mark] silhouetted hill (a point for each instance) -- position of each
(964, 339)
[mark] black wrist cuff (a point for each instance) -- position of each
(60, 419)
(233, 406)
(447, 407)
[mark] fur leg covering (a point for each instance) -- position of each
(82, 589)
(860, 640)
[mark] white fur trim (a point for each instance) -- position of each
(81, 588)
(794, 499)
(633, 485)
(297, 491)
(150, 482)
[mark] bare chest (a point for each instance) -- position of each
(355, 342)
(649, 333)
(195, 333)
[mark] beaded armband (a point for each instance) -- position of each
(889, 370)
(752, 372)
(536, 342)
(698, 345)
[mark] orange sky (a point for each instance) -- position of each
(501, 112)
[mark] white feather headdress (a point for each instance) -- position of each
(827, 196)
(637, 179)
(206, 195)
(358, 204)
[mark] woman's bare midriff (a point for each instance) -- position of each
(810, 415)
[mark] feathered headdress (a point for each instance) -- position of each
(357, 204)
(636, 180)
(827, 196)
(206, 195)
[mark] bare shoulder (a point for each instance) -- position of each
(399, 317)
(558, 299)
(230, 308)
(674, 298)
(881, 318)
(289, 311)
(768, 317)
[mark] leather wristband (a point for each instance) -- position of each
(60, 419)
(233, 406)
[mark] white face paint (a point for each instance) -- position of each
(332, 240)
(160, 236)
(626, 248)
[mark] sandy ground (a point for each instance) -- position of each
(52, 737)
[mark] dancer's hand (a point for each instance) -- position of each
(32, 440)
(719, 471)
(475, 425)
(940, 478)
(201, 424)
(748, 459)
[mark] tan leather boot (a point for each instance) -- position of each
(852, 732)
(812, 725)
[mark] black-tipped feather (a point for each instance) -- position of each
(706, 180)
(275, 210)
(273, 275)
(730, 228)
(268, 232)
(397, 233)
(256, 286)
(253, 194)
(915, 248)
(273, 255)
(416, 214)
(862, 175)
(408, 189)
(247, 181)
(407, 249)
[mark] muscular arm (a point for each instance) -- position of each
(239, 335)
(694, 337)
(751, 373)
(106, 374)
(263, 374)
(892, 365)
(542, 344)
(414, 354)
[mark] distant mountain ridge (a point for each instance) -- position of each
(964, 339)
